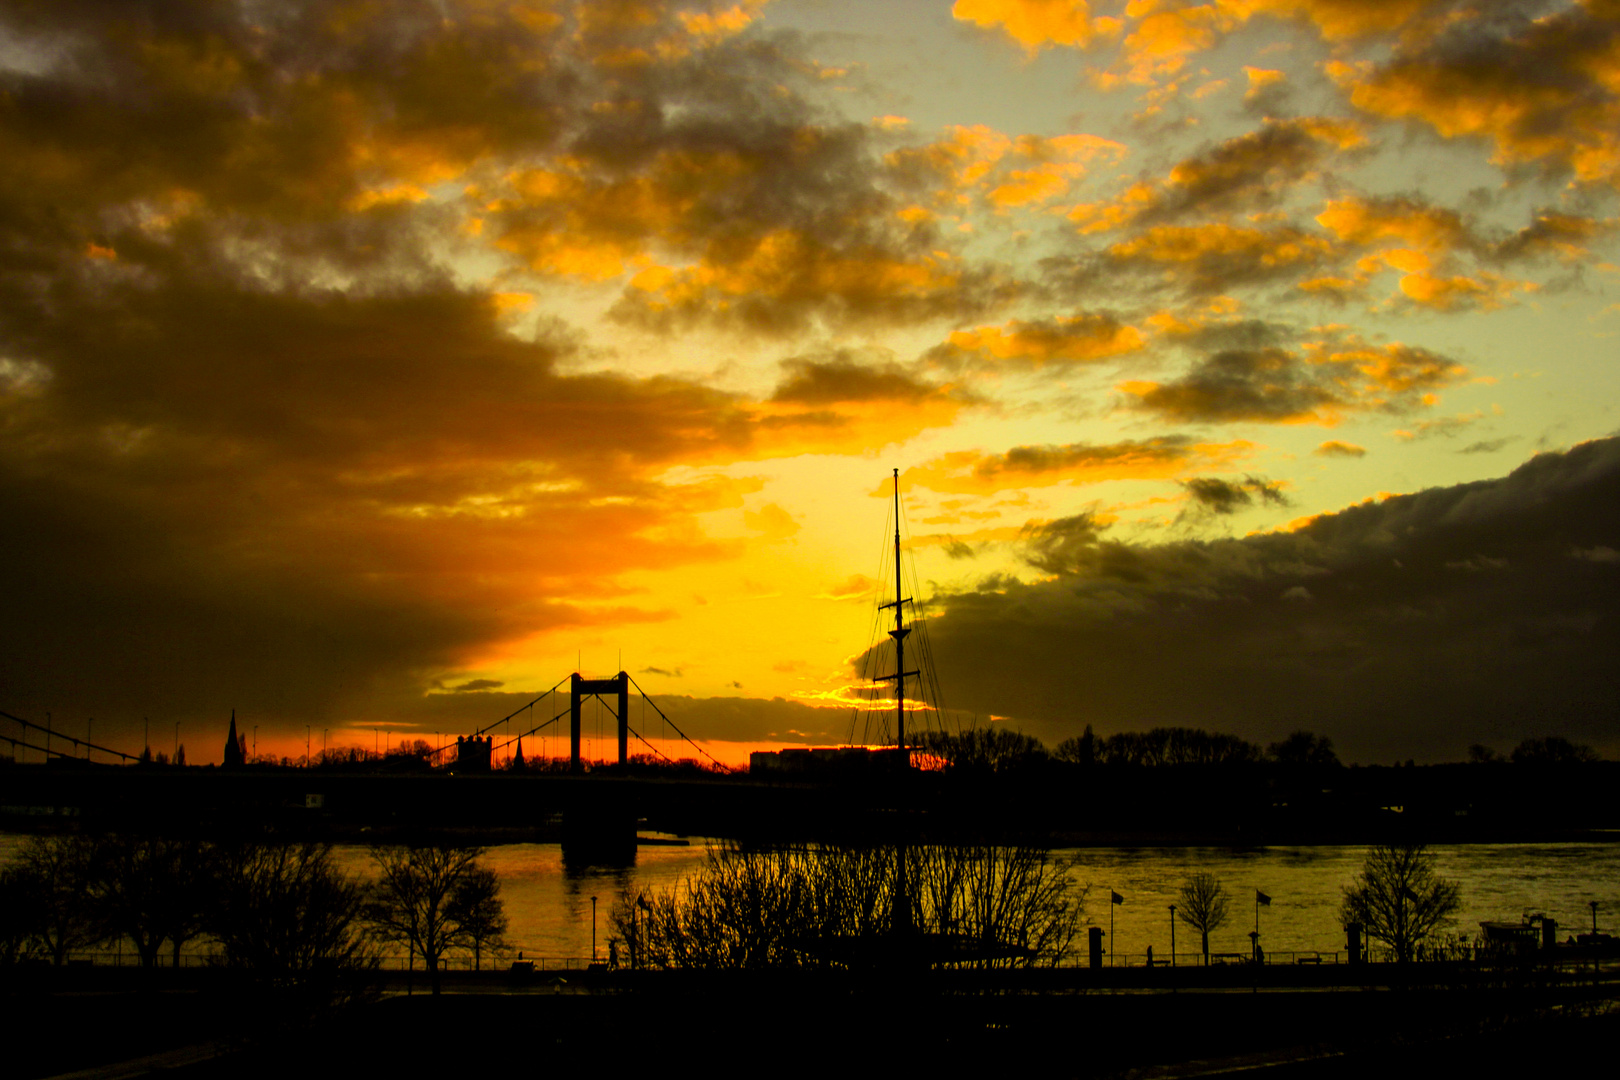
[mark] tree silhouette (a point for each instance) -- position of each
(58, 871)
(982, 750)
(151, 889)
(1552, 750)
(1203, 906)
(20, 916)
(1303, 749)
(476, 907)
(413, 901)
(286, 917)
(984, 906)
(1399, 899)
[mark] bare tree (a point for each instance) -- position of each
(288, 918)
(1203, 906)
(808, 906)
(476, 907)
(151, 889)
(57, 872)
(1399, 899)
(20, 916)
(413, 901)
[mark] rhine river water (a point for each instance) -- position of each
(549, 906)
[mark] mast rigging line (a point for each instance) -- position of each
(924, 705)
(64, 735)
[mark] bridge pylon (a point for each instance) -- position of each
(580, 688)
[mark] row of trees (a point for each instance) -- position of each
(976, 906)
(1000, 749)
(282, 913)
(984, 750)
(1398, 899)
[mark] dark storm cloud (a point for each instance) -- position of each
(1408, 627)
(268, 452)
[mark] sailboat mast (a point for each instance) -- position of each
(900, 631)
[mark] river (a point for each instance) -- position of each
(549, 906)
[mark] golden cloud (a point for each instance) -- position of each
(779, 281)
(1545, 92)
(1036, 24)
(1065, 339)
(1006, 172)
(1213, 257)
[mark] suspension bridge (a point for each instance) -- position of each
(612, 693)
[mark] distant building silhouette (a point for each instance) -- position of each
(235, 752)
(472, 754)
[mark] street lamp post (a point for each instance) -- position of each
(1172, 935)
(593, 929)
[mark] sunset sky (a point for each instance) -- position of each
(376, 364)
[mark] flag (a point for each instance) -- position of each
(1115, 897)
(1261, 898)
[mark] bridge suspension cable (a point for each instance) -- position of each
(645, 697)
(64, 735)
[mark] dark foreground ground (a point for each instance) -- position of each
(798, 1026)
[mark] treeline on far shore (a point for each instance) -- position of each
(1200, 786)
(1001, 749)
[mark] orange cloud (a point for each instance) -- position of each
(1215, 256)
(1545, 92)
(1007, 172)
(1365, 222)
(1036, 24)
(1038, 343)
